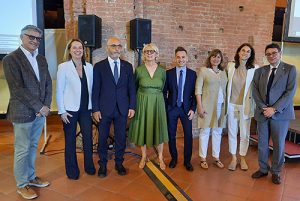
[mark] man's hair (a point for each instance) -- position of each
(178, 49)
(31, 27)
(273, 45)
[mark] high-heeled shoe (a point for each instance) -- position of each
(142, 162)
(162, 164)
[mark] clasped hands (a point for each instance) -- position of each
(268, 112)
(45, 111)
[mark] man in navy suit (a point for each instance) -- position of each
(180, 100)
(113, 100)
(274, 87)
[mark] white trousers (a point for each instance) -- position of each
(235, 119)
(216, 138)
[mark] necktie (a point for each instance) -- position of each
(116, 73)
(271, 78)
(179, 103)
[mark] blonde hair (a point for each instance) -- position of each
(67, 54)
(150, 46)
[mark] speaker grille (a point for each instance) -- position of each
(140, 33)
(89, 30)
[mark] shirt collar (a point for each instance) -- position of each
(178, 69)
(271, 66)
(111, 61)
(27, 53)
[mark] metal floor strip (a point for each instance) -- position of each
(165, 184)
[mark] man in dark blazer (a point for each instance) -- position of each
(179, 92)
(113, 100)
(274, 87)
(30, 88)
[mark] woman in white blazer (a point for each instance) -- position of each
(73, 95)
(240, 102)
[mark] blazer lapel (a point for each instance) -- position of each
(28, 64)
(109, 71)
(249, 77)
(174, 78)
(279, 73)
(264, 80)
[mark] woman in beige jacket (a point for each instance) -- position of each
(210, 92)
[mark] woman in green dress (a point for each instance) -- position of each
(149, 125)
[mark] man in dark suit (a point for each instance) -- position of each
(274, 86)
(113, 100)
(180, 100)
(30, 88)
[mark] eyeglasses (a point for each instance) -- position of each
(31, 37)
(114, 46)
(149, 51)
(271, 54)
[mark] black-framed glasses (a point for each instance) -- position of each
(149, 51)
(31, 37)
(271, 54)
(114, 46)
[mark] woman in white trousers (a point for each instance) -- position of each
(210, 92)
(240, 103)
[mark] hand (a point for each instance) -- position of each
(268, 112)
(131, 113)
(191, 114)
(64, 117)
(97, 116)
(45, 111)
(201, 112)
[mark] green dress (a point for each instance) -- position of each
(149, 125)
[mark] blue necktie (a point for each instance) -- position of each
(116, 73)
(179, 103)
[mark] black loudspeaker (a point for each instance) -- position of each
(89, 30)
(140, 33)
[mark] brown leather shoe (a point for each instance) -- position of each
(27, 192)
(258, 174)
(276, 179)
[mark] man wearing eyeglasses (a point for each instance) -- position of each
(113, 100)
(30, 88)
(274, 87)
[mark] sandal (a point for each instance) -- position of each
(204, 165)
(232, 165)
(219, 164)
(244, 165)
(162, 164)
(142, 163)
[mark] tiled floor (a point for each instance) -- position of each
(202, 185)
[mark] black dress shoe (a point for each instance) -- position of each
(102, 171)
(121, 170)
(276, 179)
(91, 171)
(173, 163)
(258, 174)
(189, 167)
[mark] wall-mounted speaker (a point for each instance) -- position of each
(140, 33)
(89, 30)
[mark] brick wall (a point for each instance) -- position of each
(199, 26)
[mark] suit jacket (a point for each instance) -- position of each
(281, 93)
(27, 94)
(171, 90)
(68, 86)
(106, 94)
(248, 101)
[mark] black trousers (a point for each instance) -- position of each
(85, 122)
